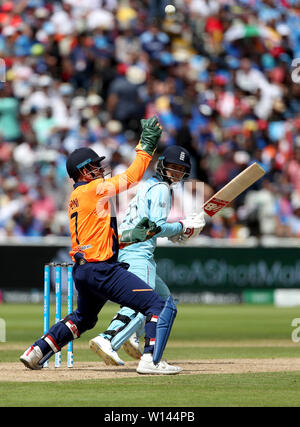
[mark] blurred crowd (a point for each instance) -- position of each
(221, 75)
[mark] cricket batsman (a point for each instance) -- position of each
(97, 273)
(153, 200)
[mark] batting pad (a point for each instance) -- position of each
(163, 328)
(126, 333)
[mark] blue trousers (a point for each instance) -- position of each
(145, 269)
(96, 283)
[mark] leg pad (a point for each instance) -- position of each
(127, 331)
(163, 328)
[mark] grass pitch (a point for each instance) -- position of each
(205, 336)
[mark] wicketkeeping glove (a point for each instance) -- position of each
(151, 133)
(144, 230)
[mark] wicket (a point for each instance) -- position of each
(58, 287)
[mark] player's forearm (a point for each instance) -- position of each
(138, 167)
(145, 149)
(122, 182)
(169, 229)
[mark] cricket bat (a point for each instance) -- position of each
(233, 189)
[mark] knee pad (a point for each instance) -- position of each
(72, 327)
(58, 336)
(164, 325)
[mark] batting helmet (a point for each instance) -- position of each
(177, 155)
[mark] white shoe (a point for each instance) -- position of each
(146, 366)
(31, 357)
(133, 347)
(102, 347)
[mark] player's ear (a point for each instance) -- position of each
(86, 171)
(82, 173)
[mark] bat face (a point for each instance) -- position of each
(214, 205)
(233, 189)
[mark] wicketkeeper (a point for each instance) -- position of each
(97, 273)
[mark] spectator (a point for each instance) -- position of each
(9, 114)
(217, 73)
(154, 41)
(123, 102)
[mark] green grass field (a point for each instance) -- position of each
(200, 332)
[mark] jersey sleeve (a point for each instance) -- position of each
(112, 186)
(159, 206)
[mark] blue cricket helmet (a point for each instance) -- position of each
(79, 158)
(177, 155)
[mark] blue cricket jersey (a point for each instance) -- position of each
(153, 200)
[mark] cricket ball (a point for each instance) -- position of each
(170, 9)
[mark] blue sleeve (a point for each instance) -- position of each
(159, 206)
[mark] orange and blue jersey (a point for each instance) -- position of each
(92, 220)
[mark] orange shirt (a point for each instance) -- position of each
(92, 221)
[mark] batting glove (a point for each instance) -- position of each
(192, 226)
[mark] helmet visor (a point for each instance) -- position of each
(174, 172)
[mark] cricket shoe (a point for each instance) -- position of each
(31, 357)
(133, 347)
(102, 347)
(146, 366)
